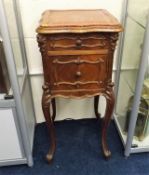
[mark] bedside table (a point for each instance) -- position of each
(77, 49)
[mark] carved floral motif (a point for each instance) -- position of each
(46, 95)
(113, 40)
(41, 39)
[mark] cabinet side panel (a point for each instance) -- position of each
(9, 141)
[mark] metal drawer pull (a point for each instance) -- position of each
(99, 60)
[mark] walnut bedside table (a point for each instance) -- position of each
(77, 49)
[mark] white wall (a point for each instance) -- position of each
(31, 11)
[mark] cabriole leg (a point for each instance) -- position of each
(109, 95)
(49, 122)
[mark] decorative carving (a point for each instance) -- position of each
(78, 61)
(57, 38)
(113, 39)
(100, 44)
(47, 98)
(77, 83)
(41, 39)
(109, 88)
(46, 94)
(76, 93)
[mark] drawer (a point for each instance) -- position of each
(77, 72)
(77, 41)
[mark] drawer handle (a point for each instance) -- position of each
(78, 43)
(78, 74)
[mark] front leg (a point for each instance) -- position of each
(96, 102)
(110, 100)
(46, 100)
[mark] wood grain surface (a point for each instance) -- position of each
(78, 21)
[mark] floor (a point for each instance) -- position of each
(79, 152)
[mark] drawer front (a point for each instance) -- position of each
(77, 42)
(77, 72)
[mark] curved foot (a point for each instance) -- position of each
(49, 157)
(107, 153)
(96, 102)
